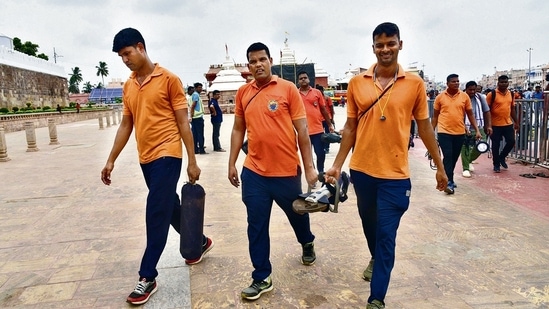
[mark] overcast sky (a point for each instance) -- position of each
(467, 37)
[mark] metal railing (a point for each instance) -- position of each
(531, 146)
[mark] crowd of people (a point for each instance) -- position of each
(283, 124)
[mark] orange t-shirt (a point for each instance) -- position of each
(151, 106)
(329, 107)
(313, 100)
(381, 146)
(500, 110)
(269, 116)
(451, 119)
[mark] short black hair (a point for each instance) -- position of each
(196, 85)
(258, 46)
(470, 83)
(302, 72)
(216, 92)
(319, 87)
(388, 28)
(127, 37)
(453, 75)
(503, 77)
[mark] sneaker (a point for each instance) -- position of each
(376, 304)
(309, 256)
(496, 169)
(466, 174)
(503, 163)
(450, 188)
(367, 274)
(471, 168)
(257, 288)
(142, 292)
(220, 150)
(205, 249)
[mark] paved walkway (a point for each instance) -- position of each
(68, 241)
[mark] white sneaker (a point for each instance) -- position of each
(466, 174)
(471, 168)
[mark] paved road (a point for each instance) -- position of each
(68, 241)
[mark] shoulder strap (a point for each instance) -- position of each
(374, 103)
(493, 92)
(250, 100)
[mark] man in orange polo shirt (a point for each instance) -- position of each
(504, 122)
(155, 104)
(451, 107)
(379, 162)
(328, 126)
(315, 107)
(270, 112)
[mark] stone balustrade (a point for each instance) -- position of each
(16, 122)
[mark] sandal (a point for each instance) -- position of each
(527, 175)
(542, 175)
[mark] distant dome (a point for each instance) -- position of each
(228, 78)
(320, 72)
(5, 41)
(287, 56)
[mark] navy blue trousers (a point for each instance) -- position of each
(258, 194)
(451, 150)
(163, 209)
(318, 147)
(198, 134)
(506, 132)
(215, 135)
(381, 204)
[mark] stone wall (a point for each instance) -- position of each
(19, 86)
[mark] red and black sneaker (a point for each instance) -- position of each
(205, 249)
(143, 290)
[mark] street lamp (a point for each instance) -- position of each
(529, 50)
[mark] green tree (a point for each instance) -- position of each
(28, 48)
(75, 80)
(88, 87)
(102, 71)
(43, 56)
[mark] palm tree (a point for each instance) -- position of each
(88, 87)
(75, 80)
(102, 71)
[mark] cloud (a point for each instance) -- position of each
(466, 37)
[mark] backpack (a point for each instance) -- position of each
(493, 92)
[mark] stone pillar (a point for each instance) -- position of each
(53, 132)
(113, 117)
(31, 137)
(108, 117)
(119, 113)
(3, 147)
(101, 127)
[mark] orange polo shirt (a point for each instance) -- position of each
(451, 119)
(313, 100)
(151, 106)
(381, 146)
(500, 110)
(269, 116)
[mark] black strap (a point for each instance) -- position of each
(369, 107)
(250, 100)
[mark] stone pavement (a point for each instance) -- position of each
(68, 241)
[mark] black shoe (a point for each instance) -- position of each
(496, 168)
(142, 292)
(309, 256)
(257, 288)
(503, 164)
(205, 249)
